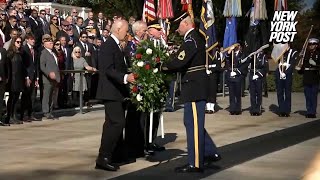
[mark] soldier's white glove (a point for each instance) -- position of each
(283, 75)
(312, 62)
(208, 72)
(232, 74)
(255, 77)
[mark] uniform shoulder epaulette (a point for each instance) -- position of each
(190, 39)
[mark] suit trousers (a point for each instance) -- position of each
(2, 91)
(112, 127)
(49, 93)
(12, 105)
(199, 143)
(213, 87)
(28, 99)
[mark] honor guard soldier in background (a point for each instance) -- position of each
(283, 80)
(257, 73)
(235, 74)
(190, 60)
(214, 69)
(310, 70)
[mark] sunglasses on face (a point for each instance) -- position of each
(74, 12)
(54, 19)
(77, 52)
(84, 36)
(58, 44)
(19, 42)
(313, 44)
(56, 12)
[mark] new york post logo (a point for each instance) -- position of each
(283, 26)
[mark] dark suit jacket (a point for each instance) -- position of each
(47, 65)
(68, 59)
(7, 30)
(31, 64)
(36, 28)
(3, 64)
(76, 33)
(112, 70)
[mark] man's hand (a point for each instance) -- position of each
(52, 75)
(87, 54)
(255, 77)
(231, 49)
(312, 62)
(283, 75)
(130, 78)
(232, 74)
(36, 83)
(28, 82)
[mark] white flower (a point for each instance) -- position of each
(167, 54)
(140, 63)
(149, 51)
(155, 70)
(139, 97)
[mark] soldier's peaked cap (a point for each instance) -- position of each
(313, 40)
(154, 24)
(180, 17)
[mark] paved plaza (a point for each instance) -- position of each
(264, 147)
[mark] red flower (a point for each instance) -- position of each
(135, 75)
(134, 89)
(157, 59)
(147, 66)
(138, 56)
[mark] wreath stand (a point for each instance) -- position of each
(151, 125)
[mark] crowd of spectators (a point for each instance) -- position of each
(73, 42)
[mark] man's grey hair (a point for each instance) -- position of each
(117, 24)
(137, 26)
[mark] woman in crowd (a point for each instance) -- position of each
(54, 27)
(59, 101)
(16, 79)
(79, 63)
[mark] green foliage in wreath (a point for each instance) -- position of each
(151, 88)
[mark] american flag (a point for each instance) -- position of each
(165, 9)
(149, 11)
(280, 5)
(185, 4)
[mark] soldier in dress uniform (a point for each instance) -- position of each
(234, 78)
(283, 78)
(190, 60)
(214, 69)
(256, 75)
(310, 70)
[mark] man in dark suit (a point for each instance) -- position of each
(36, 27)
(112, 89)
(67, 80)
(77, 28)
(66, 28)
(45, 23)
(31, 63)
(3, 79)
(11, 25)
(51, 75)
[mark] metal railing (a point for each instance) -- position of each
(82, 72)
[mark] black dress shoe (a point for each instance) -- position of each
(105, 164)
(188, 169)
(148, 152)
(237, 113)
(32, 118)
(281, 114)
(232, 113)
(49, 116)
(4, 124)
(311, 116)
(209, 112)
(155, 147)
(286, 115)
(212, 158)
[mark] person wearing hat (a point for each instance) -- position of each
(190, 60)
(283, 78)
(50, 75)
(310, 70)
